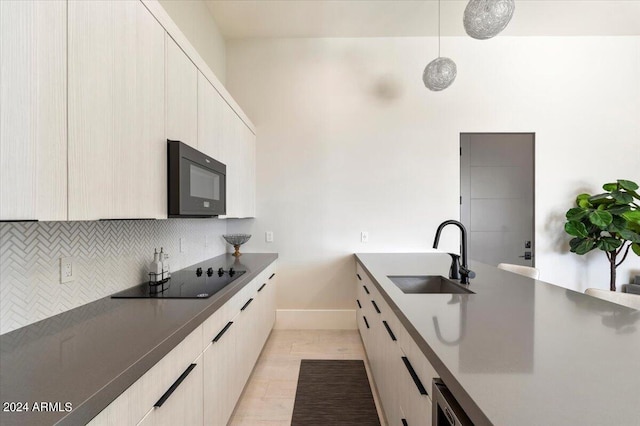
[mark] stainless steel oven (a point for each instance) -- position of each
(196, 182)
(446, 410)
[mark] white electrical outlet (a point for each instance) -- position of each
(183, 245)
(268, 236)
(364, 237)
(66, 270)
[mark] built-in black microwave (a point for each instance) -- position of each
(196, 184)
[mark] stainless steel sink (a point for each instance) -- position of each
(421, 284)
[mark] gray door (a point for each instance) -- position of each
(497, 202)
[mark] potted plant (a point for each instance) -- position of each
(609, 221)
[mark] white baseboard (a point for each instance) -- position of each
(316, 319)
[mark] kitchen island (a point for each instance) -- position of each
(518, 351)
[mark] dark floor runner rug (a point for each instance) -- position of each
(334, 392)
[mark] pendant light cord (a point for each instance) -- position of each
(438, 28)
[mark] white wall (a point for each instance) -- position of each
(349, 140)
(195, 21)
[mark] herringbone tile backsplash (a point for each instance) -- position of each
(108, 256)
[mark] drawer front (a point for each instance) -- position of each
(422, 366)
(182, 402)
(416, 406)
(214, 324)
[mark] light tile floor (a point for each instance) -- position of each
(269, 396)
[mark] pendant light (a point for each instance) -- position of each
(441, 72)
(484, 19)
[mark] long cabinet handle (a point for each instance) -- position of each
(272, 275)
(366, 289)
(174, 386)
(224, 330)
(359, 277)
(414, 376)
(393, 337)
(373, 302)
(261, 287)
(359, 305)
(365, 321)
(246, 304)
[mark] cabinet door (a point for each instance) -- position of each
(33, 119)
(220, 359)
(182, 403)
(391, 371)
(231, 157)
(239, 154)
(271, 303)
(416, 405)
(425, 371)
(248, 172)
(117, 149)
(210, 110)
(182, 96)
(265, 317)
(246, 342)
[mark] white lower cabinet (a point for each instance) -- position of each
(181, 404)
(219, 366)
(244, 324)
(267, 289)
(200, 380)
(401, 373)
(413, 393)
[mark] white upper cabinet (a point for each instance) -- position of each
(249, 173)
(231, 156)
(33, 105)
(182, 96)
(238, 153)
(210, 107)
(117, 147)
(225, 137)
(90, 91)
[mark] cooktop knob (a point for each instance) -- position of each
(209, 272)
(231, 272)
(199, 271)
(220, 272)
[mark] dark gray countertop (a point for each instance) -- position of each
(520, 351)
(90, 355)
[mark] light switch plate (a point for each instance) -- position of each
(66, 270)
(364, 237)
(268, 236)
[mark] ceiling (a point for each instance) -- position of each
(241, 19)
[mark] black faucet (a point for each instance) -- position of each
(464, 272)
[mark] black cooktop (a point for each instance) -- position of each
(198, 282)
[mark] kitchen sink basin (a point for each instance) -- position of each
(421, 284)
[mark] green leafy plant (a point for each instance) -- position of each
(609, 221)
